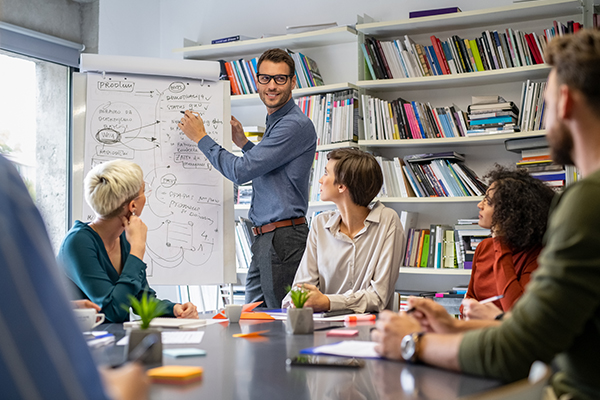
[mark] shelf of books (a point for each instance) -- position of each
(254, 100)
(435, 271)
(517, 12)
(323, 37)
(433, 200)
(514, 74)
(481, 140)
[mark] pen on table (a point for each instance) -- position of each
(324, 328)
(490, 299)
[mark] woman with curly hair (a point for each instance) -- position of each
(515, 209)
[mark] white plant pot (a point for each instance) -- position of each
(299, 321)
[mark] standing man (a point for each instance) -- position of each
(558, 317)
(279, 168)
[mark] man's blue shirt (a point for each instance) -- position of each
(279, 165)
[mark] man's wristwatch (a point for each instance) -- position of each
(409, 346)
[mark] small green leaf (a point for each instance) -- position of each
(148, 308)
(299, 295)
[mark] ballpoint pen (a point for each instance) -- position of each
(490, 299)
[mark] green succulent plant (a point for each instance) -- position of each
(299, 295)
(147, 308)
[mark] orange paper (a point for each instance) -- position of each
(250, 334)
(246, 313)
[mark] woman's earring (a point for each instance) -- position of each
(133, 212)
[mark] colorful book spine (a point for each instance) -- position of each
(476, 55)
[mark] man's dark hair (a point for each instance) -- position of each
(521, 205)
(277, 56)
(576, 60)
(359, 172)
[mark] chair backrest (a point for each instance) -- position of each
(526, 389)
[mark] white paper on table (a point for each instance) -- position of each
(173, 337)
(348, 348)
(184, 337)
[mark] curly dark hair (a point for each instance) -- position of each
(521, 205)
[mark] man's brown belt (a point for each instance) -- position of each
(259, 230)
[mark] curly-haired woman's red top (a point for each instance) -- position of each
(497, 270)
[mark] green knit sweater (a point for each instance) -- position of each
(558, 317)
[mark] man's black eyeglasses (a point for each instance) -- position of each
(264, 79)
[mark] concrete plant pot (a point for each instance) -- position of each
(153, 356)
(299, 321)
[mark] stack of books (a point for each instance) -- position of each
(429, 175)
(540, 165)
(492, 114)
(401, 119)
(403, 58)
(536, 159)
(307, 71)
(532, 106)
(334, 115)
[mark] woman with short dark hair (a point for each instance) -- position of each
(353, 254)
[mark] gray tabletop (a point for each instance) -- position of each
(249, 369)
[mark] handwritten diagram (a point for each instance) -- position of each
(135, 118)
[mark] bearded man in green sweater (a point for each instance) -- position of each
(558, 318)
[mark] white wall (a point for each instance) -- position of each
(153, 28)
(129, 28)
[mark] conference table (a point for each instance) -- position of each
(255, 368)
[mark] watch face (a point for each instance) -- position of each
(408, 347)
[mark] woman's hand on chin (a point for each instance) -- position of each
(136, 232)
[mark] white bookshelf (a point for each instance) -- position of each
(341, 63)
(254, 100)
(431, 200)
(481, 140)
(517, 12)
(337, 145)
(435, 271)
(491, 77)
(481, 151)
(318, 38)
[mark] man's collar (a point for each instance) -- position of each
(281, 112)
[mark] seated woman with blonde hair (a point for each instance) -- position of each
(104, 258)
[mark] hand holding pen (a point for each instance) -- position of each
(484, 309)
(192, 125)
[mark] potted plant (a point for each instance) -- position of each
(299, 318)
(147, 308)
